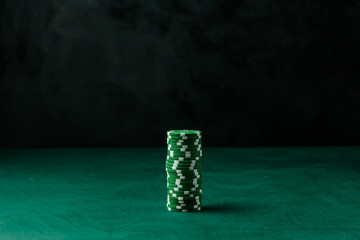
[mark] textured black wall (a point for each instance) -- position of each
(121, 73)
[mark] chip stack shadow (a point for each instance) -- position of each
(183, 167)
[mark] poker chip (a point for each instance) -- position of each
(183, 167)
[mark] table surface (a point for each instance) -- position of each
(248, 193)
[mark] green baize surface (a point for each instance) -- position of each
(120, 193)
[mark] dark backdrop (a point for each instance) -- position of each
(122, 72)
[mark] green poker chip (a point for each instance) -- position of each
(183, 178)
(173, 168)
(198, 191)
(183, 196)
(176, 167)
(183, 162)
(193, 176)
(183, 185)
(188, 192)
(179, 147)
(174, 183)
(192, 195)
(179, 180)
(184, 144)
(184, 210)
(195, 198)
(172, 153)
(183, 206)
(189, 207)
(183, 159)
(192, 202)
(186, 139)
(172, 160)
(184, 155)
(184, 150)
(181, 144)
(183, 181)
(180, 168)
(179, 207)
(180, 199)
(183, 132)
(184, 165)
(179, 189)
(188, 173)
(189, 179)
(188, 200)
(184, 172)
(187, 188)
(174, 209)
(184, 199)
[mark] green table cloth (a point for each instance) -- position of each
(248, 193)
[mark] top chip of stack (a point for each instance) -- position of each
(184, 134)
(183, 166)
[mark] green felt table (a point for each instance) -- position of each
(248, 193)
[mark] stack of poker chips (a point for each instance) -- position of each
(183, 167)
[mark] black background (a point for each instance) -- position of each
(120, 73)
